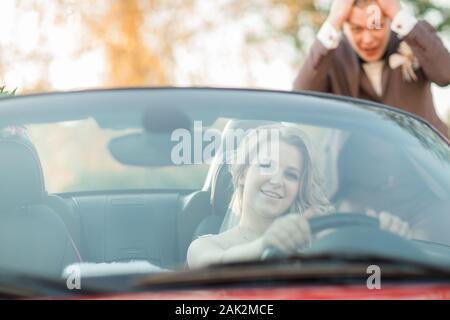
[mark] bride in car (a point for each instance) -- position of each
(275, 193)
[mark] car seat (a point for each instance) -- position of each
(33, 238)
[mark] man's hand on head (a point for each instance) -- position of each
(340, 11)
(390, 7)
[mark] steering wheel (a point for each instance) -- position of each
(336, 220)
(356, 233)
(340, 219)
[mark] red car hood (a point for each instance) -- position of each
(392, 292)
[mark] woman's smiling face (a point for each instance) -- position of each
(271, 193)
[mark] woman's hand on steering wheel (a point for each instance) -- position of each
(288, 234)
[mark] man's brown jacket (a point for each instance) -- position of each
(339, 72)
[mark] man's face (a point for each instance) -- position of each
(370, 43)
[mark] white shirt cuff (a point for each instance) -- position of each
(403, 23)
(329, 36)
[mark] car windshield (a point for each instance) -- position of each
(110, 179)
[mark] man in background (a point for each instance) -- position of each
(386, 55)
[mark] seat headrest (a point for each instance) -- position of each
(21, 176)
(221, 185)
(221, 190)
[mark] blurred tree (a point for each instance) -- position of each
(440, 12)
(137, 37)
(288, 18)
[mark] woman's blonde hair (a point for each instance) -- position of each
(311, 193)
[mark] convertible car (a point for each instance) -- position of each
(103, 191)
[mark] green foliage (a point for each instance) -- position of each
(423, 8)
(4, 92)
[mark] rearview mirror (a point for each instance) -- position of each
(143, 150)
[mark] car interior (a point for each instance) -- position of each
(97, 227)
(126, 227)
